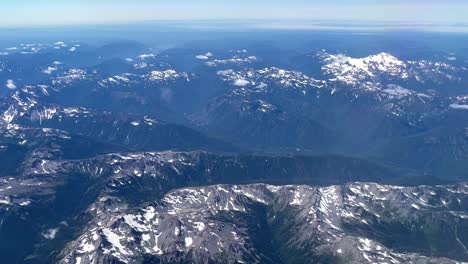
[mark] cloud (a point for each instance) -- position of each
(3, 53)
(57, 62)
(55, 12)
(49, 70)
(204, 57)
(397, 91)
(50, 233)
(146, 56)
(10, 84)
(241, 82)
(72, 49)
(129, 59)
(459, 106)
(12, 48)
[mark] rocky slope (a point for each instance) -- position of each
(353, 223)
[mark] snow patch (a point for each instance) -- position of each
(188, 241)
(114, 239)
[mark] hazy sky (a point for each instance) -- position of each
(58, 12)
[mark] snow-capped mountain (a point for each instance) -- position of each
(232, 224)
(385, 67)
(122, 181)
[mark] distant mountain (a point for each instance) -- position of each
(361, 106)
(353, 106)
(26, 108)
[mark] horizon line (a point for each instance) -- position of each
(266, 24)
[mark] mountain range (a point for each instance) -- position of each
(125, 153)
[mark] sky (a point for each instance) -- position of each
(64, 12)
